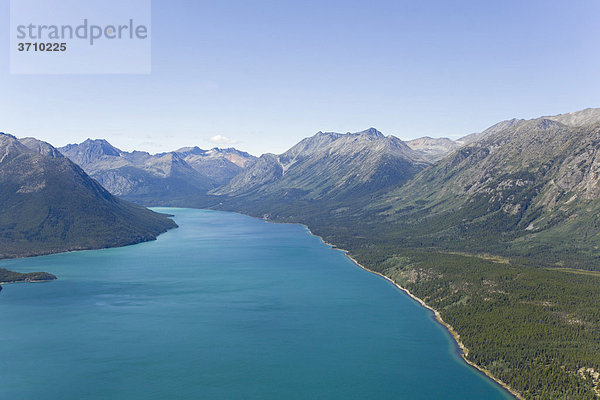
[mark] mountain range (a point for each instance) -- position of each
(515, 189)
(512, 189)
(326, 166)
(173, 178)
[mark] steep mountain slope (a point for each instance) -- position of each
(328, 166)
(161, 179)
(523, 188)
(50, 205)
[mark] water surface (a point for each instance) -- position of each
(225, 307)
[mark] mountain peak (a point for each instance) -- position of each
(329, 165)
(327, 134)
(99, 141)
(191, 150)
(89, 151)
(100, 147)
(371, 132)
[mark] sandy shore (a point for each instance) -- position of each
(464, 352)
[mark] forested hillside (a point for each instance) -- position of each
(50, 205)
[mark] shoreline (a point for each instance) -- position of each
(33, 281)
(464, 351)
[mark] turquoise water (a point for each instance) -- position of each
(225, 307)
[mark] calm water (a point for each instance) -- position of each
(225, 307)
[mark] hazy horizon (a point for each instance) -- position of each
(260, 76)
(240, 147)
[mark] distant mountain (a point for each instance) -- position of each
(329, 166)
(523, 187)
(220, 165)
(51, 205)
(174, 178)
(433, 149)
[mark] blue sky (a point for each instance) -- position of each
(268, 73)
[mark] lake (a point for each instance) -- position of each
(224, 307)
